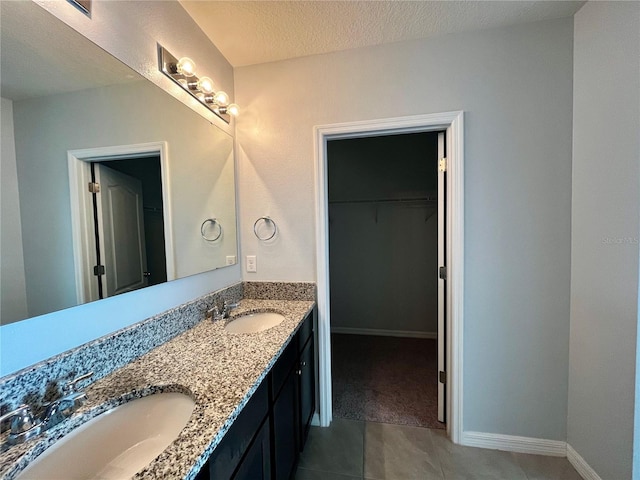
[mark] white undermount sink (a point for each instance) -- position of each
(254, 322)
(116, 444)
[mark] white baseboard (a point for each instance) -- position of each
(512, 443)
(315, 419)
(383, 333)
(581, 466)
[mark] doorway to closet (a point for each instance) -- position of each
(383, 277)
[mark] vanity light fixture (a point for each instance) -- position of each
(232, 110)
(183, 72)
(186, 67)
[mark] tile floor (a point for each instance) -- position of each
(352, 449)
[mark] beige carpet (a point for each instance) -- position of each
(385, 379)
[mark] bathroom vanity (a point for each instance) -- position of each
(267, 436)
(254, 393)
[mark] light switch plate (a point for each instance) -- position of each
(251, 263)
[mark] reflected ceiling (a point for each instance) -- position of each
(29, 48)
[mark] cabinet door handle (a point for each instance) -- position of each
(299, 372)
(303, 364)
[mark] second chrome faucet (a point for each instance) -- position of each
(216, 313)
(23, 424)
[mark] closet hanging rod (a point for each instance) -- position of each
(386, 200)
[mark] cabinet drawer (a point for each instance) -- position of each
(283, 366)
(227, 455)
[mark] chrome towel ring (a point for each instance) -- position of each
(213, 222)
(266, 220)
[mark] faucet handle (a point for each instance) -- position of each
(23, 425)
(21, 419)
(213, 313)
(70, 386)
(230, 306)
(227, 307)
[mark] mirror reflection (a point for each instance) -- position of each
(109, 184)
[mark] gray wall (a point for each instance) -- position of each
(383, 273)
(515, 86)
(605, 232)
(13, 292)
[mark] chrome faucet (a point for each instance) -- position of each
(215, 313)
(23, 424)
(64, 407)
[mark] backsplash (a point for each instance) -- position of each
(280, 290)
(40, 383)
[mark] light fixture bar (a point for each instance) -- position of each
(199, 88)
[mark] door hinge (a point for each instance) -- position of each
(442, 165)
(98, 270)
(442, 273)
(94, 187)
(442, 377)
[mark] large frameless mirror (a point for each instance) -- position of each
(109, 184)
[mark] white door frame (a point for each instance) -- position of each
(452, 122)
(79, 163)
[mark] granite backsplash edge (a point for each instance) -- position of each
(295, 291)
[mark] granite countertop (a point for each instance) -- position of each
(218, 369)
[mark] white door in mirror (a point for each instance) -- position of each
(118, 443)
(121, 225)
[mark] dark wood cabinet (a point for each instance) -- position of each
(228, 455)
(307, 391)
(293, 391)
(265, 441)
(256, 464)
(285, 428)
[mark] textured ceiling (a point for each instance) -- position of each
(250, 32)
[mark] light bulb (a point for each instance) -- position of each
(221, 98)
(186, 67)
(233, 110)
(205, 84)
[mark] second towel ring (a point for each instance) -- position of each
(213, 222)
(265, 220)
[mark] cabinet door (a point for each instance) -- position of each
(306, 372)
(285, 429)
(256, 464)
(228, 454)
